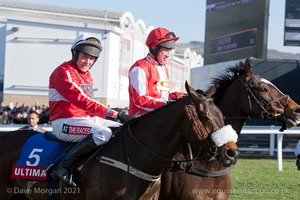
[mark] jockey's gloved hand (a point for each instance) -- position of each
(124, 117)
(176, 95)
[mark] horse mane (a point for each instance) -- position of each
(146, 115)
(224, 80)
(192, 114)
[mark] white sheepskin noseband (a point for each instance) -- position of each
(224, 135)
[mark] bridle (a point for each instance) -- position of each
(251, 97)
(210, 155)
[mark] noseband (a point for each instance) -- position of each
(251, 95)
(211, 154)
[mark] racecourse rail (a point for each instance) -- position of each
(271, 130)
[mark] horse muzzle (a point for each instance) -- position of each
(230, 157)
(291, 118)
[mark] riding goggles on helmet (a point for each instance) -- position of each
(88, 44)
(86, 37)
(92, 39)
(169, 35)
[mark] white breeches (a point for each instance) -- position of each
(75, 129)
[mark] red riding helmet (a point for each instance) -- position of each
(161, 37)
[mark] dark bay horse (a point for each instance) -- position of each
(243, 95)
(130, 165)
(240, 95)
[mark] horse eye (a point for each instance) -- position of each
(262, 89)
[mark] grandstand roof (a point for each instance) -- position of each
(12, 4)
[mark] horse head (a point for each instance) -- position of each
(221, 145)
(203, 115)
(210, 147)
(255, 96)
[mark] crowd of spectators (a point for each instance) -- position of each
(17, 114)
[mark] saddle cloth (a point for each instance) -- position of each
(37, 155)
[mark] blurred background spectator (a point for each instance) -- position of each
(18, 114)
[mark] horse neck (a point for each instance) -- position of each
(159, 132)
(230, 105)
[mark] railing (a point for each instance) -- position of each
(272, 130)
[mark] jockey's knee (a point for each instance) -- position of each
(101, 136)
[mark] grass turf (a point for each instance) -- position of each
(259, 179)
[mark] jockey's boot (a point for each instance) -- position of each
(298, 162)
(62, 169)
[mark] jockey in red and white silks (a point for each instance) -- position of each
(149, 82)
(73, 112)
(146, 93)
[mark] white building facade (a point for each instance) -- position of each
(35, 38)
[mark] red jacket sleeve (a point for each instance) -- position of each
(77, 89)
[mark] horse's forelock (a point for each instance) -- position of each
(197, 125)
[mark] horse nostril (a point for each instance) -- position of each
(230, 153)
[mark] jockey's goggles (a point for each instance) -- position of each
(169, 35)
(92, 39)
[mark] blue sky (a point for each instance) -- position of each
(185, 18)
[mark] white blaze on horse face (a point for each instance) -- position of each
(268, 82)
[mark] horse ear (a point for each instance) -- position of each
(211, 91)
(248, 69)
(187, 87)
(192, 93)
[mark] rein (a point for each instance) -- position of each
(203, 172)
(144, 146)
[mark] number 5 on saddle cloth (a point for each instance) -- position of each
(37, 155)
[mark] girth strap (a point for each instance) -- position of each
(128, 168)
(203, 172)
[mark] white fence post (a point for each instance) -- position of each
(279, 150)
(272, 144)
